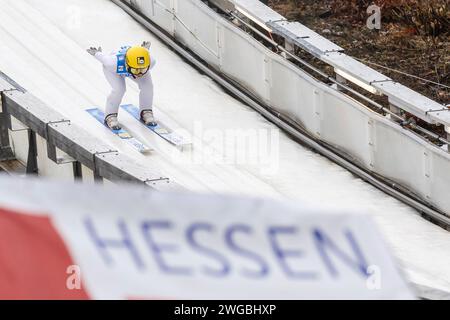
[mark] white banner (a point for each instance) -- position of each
(127, 242)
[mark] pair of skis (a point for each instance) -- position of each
(123, 134)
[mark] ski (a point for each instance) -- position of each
(122, 133)
(159, 129)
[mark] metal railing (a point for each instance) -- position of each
(297, 35)
(405, 123)
(66, 142)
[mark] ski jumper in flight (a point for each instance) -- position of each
(134, 63)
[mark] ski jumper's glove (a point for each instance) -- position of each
(146, 44)
(94, 51)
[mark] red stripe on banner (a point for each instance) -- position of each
(34, 260)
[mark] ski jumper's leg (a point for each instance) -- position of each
(146, 92)
(118, 89)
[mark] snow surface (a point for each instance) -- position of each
(42, 47)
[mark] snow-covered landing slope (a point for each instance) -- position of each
(42, 46)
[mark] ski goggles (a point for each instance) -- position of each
(138, 71)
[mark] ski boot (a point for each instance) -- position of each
(112, 122)
(147, 118)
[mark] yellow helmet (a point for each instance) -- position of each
(138, 58)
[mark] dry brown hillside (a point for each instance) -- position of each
(414, 37)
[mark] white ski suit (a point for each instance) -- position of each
(118, 86)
